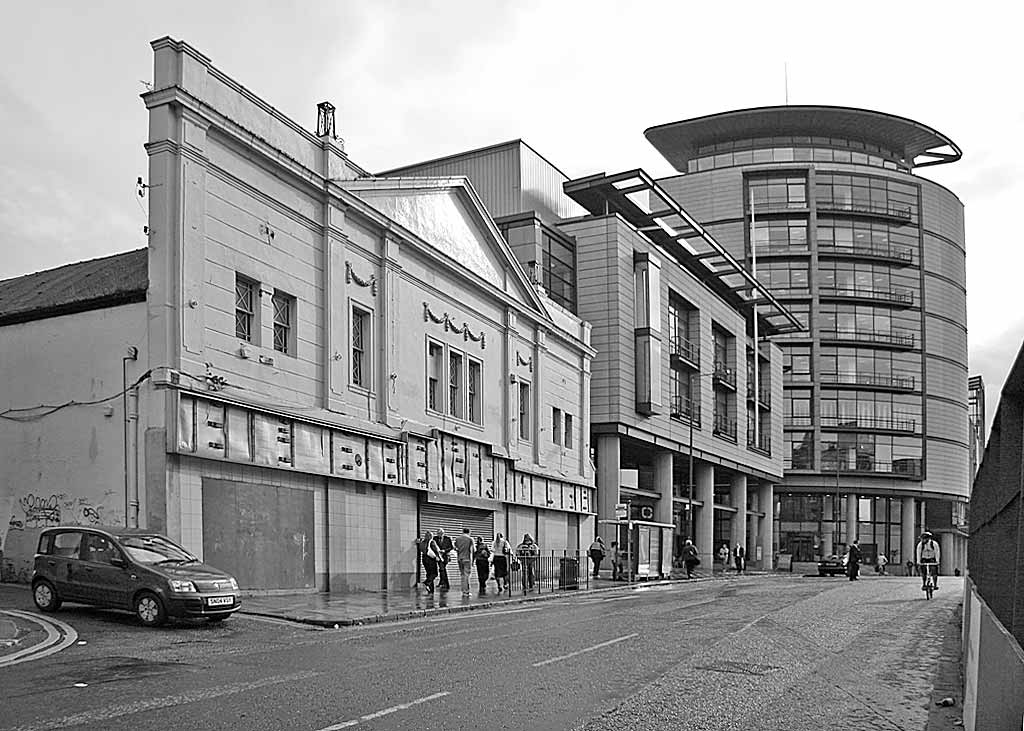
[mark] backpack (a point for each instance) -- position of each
(928, 551)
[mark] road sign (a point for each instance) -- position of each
(621, 510)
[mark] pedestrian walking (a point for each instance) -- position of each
(883, 560)
(445, 548)
(464, 545)
(429, 554)
(501, 549)
(528, 551)
(616, 562)
(853, 561)
(723, 556)
(482, 557)
(690, 558)
(739, 556)
(597, 554)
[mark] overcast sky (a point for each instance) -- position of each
(578, 81)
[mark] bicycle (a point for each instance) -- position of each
(929, 579)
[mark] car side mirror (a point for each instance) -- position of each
(118, 561)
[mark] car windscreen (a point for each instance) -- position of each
(155, 549)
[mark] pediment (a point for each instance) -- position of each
(446, 215)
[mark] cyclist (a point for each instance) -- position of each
(927, 555)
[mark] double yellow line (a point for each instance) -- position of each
(59, 635)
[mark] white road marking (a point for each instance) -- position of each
(52, 644)
(99, 715)
(586, 649)
(463, 615)
(384, 712)
(620, 598)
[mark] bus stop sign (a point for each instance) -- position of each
(621, 510)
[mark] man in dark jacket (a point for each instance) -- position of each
(445, 545)
(853, 561)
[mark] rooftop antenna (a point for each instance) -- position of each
(785, 76)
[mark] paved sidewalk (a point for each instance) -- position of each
(341, 610)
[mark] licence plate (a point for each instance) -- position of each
(219, 601)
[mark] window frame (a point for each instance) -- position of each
(252, 314)
(525, 411)
(361, 353)
(291, 310)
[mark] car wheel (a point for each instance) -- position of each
(149, 609)
(45, 596)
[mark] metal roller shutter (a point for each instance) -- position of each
(453, 518)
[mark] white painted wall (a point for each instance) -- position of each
(67, 467)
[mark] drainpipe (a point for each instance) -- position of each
(131, 496)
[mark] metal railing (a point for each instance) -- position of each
(723, 426)
(764, 441)
(874, 251)
(725, 374)
(898, 296)
(870, 380)
(896, 338)
(869, 422)
(685, 408)
(833, 205)
(551, 571)
(903, 467)
(765, 396)
(687, 350)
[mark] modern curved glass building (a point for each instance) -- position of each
(824, 204)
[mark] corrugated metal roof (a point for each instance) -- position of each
(84, 285)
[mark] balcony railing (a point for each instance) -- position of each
(903, 467)
(877, 423)
(871, 251)
(896, 296)
(764, 398)
(887, 210)
(685, 350)
(798, 421)
(869, 380)
(763, 442)
(724, 427)
(685, 408)
(895, 338)
(725, 374)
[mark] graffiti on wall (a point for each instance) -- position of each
(30, 513)
(35, 511)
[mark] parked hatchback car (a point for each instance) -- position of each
(133, 569)
(831, 566)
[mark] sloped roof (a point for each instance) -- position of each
(84, 285)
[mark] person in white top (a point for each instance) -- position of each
(927, 556)
(500, 551)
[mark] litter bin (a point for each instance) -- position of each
(569, 573)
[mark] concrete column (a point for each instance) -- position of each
(608, 466)
(663, 486)
(738, 495)
(704, 487)
(908, 539)
(827, 543)
(766, 530)
(851, 518)
(946, 558)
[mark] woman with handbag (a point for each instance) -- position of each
(500, 551)
(429, 555)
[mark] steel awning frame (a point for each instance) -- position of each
(602, 194)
